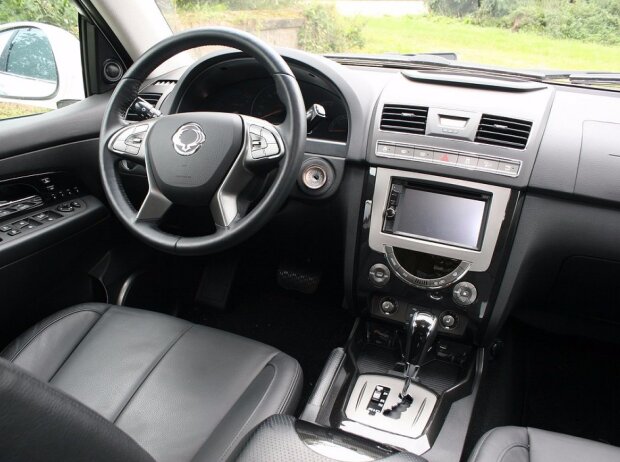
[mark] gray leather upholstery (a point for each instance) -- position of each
(520, 444)
(39, 423)
(180, 390)
(281, 438)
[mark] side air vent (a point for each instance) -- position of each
(502, 131)
(151, 98)
(405, 119)
(165, 82)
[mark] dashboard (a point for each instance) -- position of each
(509, 150)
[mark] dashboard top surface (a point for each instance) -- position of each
(355, 96)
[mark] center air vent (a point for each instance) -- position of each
(405, 119)
(151, 98)
(502, 131)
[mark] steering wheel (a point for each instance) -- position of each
(200, 159)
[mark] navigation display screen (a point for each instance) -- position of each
(440, 217)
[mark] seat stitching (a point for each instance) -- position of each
(512, 446)
(291, 389)
(47, 326)
(153, 367)
(273, 380)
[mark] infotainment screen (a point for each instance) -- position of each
(438, 216)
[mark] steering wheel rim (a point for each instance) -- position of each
(290, 135)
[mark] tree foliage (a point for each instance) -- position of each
(61, 13)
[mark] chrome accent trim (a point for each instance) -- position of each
(421, 283)
(360, 422)
(479, 259)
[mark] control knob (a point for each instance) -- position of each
(388, 305)
(464, 293)
(379, 274)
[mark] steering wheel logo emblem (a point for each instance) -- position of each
(188, 139)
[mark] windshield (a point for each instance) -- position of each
(568, 35)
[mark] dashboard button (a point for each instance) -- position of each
(445, 157)
(14, 232)
(5, 228)
(508, 167)
(423, 154)
(384, 148)
(467, 161)
(487, 164)
(402, 151)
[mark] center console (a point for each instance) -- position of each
(439, 204)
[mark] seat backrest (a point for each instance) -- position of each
(40, 423)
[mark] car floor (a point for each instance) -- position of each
(560, 383)
(306, 327)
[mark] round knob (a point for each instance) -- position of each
(390, 212)
(379, 274)
(448, 320)
(388, 306)
(464, 293)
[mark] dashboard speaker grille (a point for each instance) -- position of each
(405, 119)
(151, 98)
(502, 131)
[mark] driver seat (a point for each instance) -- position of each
(161, 388)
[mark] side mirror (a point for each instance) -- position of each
(27, 64)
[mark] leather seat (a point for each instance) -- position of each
(520, 444)
(180, 390)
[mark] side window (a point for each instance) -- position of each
(40, 63)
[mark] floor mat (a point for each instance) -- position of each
(558, 383)
(306, 327)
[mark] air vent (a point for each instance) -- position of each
(502, 131)
(151, 98)
(165, 82)
(405, 119)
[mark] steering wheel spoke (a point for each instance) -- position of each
(225, 205)
(129, 142)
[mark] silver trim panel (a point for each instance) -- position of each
(508, 162)
(479, 259)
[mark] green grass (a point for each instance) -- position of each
(9, 110)
(485, 45)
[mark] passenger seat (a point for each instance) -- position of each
(520, 444)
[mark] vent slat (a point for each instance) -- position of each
(405, 119)
(503, 131)
(494, 134)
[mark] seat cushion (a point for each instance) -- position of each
(181, 390)
(520, 444)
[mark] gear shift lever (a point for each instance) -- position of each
(421, 333)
